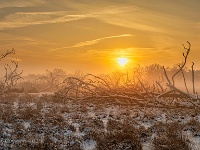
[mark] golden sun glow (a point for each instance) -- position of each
(122, 61)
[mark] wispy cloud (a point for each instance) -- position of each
(86, 43)
(75, 11)
(21, 43)
(91, 42)
(138, 15)
(147, 16)
(20, 3)
(127, 52)
(24, 39)
(33, 18)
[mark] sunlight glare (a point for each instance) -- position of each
(122, 61)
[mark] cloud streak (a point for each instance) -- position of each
(76, 11)
(91, 42)
(20, 3)
(35, 18)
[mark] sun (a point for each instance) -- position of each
(122, 61)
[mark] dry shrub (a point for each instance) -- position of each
(119, 141)
(95, 123)
(54, 119)
(126, 112)
(9, 97)
(58, 120)
(7, 114)
(71, 128)
(158, 127)
(65, 109)
(76, 116)
(19, 131)
(72, 143)
(193, 125)
(171, 138)
(48, 143)
(170, 142)
(114, 125)
(83, 108)
(174, 128)
(29, 113)
(128, 138)
(167, 128)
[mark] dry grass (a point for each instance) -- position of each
(119, 141)
(171, 138)
(29, 113)
(171, 142)
(193, 125)
(114, 125)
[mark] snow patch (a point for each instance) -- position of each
(27, 125)
(89, 144)
(16, 105)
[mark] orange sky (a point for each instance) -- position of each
(90, 35)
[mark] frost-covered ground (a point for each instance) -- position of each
(43, 122)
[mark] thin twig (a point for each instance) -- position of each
(7, 53)
(142, 85)
(166, 76)
(193, 87)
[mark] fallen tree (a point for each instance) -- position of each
(94, 88)
(172, 86)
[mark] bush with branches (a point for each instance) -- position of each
(12, 75)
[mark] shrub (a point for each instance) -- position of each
(171, 138)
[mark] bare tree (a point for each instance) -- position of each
(51, 78)
(8, 52)
(12, 75)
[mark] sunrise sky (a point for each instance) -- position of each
(91, 35)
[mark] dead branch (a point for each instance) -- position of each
(7, 53)
(185, 60)
(88, 84)
(164, 94)
(191, 96)
(184, 80)
(104, 82)
(166, 76)
(193, 87)
(159, 85)
(142, 85)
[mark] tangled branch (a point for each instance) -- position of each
(7, 53)
(12, 75)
